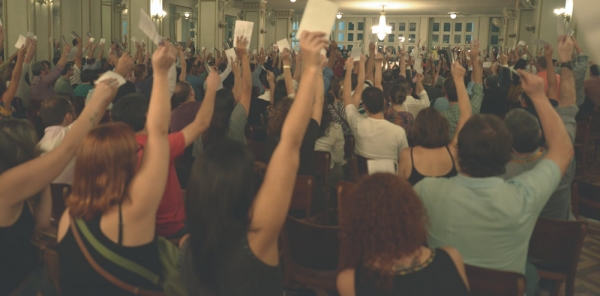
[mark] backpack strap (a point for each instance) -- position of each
(105, 274)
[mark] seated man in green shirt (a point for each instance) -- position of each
(487, 219)
(82, 89)
(62, 86)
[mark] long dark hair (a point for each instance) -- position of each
(326, 116)
(18, 143)
(519, 65)
(219, 124)
(220, 195)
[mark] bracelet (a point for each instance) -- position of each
(287, 67)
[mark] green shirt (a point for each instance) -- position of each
(82, 90)
(62, 86)
(453, 113)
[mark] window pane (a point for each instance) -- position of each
(393, 25)
(446, 39)
(359, 37)
(447, 27)
(468, 38)
(413, 27)
(470, 27)
(457, 39)
(295, 26)
(494, 39)
(350, 47)
(350, 26)
(495, 29)
(435, 38)
(361, 26)
(401, 26)
(391, 38)
(340, 36)
(341, 26)
(436, 27)
(350, 36)
(457, 27)
(411, 38)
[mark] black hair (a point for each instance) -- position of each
(525, 130)
(131, 109)
(67, 68)
(86, 76)
(280, 91)
(124, 90)
(326, 118)
(219, 124)
(372, 99)
(54, 109)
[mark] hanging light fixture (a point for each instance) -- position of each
(382, 29)
(339, 15)
(453, 15)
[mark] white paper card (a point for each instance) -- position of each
(521, 43)
(147, 26)
(133, 39)
(30, 34)
(283, 44)
(254, 51)
(34, 38)
(188, 50)
(243, 28)
(92, 40)
(111, 74)
(102, 41)
(381, 166)
(356, 52)
(20, 42)
(560, 27)
(487, 64)
(230, 53)
(540, 42)
(419, 65)
(319, 15)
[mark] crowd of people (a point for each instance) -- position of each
(478, 155)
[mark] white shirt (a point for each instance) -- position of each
(333, 142)
(414, 106)
(76, 78)
(376, 138)
(266, 96)
(53, 136)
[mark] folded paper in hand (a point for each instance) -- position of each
(20, 42)
(521, 43)
(109, 75)
(419, 65)
(102, 41)
(540, 42)
(356, 52)
(381, 166)
(560, 26)
(92, 39)
(319, 15)
(231, 56)
(487, 64)
(30, 34)
(283, 44)
(147, 26)
(244, 29)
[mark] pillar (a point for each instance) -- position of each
(255, 11)
(279, 26)
(209, 21)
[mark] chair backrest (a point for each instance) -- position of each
(343, 190)
(348, 146)
(490, 282)
(18, 104)
(363, 168)
(302, 196)
(59, 194)
(585, 200)
(323, 162)
(556, 244)
(311, 246)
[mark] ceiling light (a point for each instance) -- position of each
(559, 11)
(186, 14)
(453, 14)
(339, 15)
(292, 1)
(382, 29)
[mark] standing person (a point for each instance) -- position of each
(63, 84)
(42, 85)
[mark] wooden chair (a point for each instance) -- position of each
(252, 134)
(323, 162)
(310, 254)
(343, 190)
(582, 140)
(302, 196)
(554, 249)
(585, 200)
(490, 282)
(59, 194)
(349, 145)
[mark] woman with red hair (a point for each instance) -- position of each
(383, 237)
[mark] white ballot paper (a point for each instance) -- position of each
(521, 43)
(254, 51)
(283, 44)
(20, 42)
(419, 65)
(356, 52)
(540, 42)
(92, 39)
(34, 37)
(319, 15)
(381, 166)
(111, 74)
(243, 28)
(102, 40)
(30, 34)
(487, 64)
(147, 26)
(231, 56)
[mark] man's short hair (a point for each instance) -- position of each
(265, 82)
(74, 42)
(427, 79)
(484, 146)
(86, 76)
(372, 99)
(595, 70)
(38, 67)
(131, 109)
(492, 81)
(450, 89)
(541, 61)
(181, 93)
(525, 130)
(387, 76)
(54, 109)
(67, 68)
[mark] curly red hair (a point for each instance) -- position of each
(383, 220)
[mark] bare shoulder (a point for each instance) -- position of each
(345, 282)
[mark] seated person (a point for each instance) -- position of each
(396, 113)
(383, 251)
(331, 139)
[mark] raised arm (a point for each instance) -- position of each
(371, 62)
(357, 96)
(25, 180)
(242, 53)
(287, 71)
(403, 62)
(30, 51)
(550, 73)
(567, 80)
(298, 68)
(477, 67)
(64, 58)
(9, 94)
(79, 54)
(101, 53)
(347, 92)
(378, 70)
(202, 120)
(148, 184)
(234, 64)
(124, 65)
(464, 106)
(272, 202)
(183, 62)
(317, 111)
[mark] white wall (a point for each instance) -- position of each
(208, 24)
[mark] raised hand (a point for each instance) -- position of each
(235, 66)
(285, 57)
(106, 90)
(311, 44)
(504, 59)
(565, 48)
(371, 46)
(271, 78)
(349, 64)
(363, 59)
(241, 45)
(213, 80)
(474, 53)
(163, 58)
(458, 72)
(532, 84)
(548, 51)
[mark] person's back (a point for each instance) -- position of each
(378, 138)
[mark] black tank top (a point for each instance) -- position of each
(415, 176)
(437, 276)
(78, 277)
(18, 256)
(239, 272)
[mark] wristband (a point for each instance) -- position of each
(287, 67)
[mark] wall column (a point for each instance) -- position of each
(209, 20)
(255, 11)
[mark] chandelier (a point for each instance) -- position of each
(382, 29)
